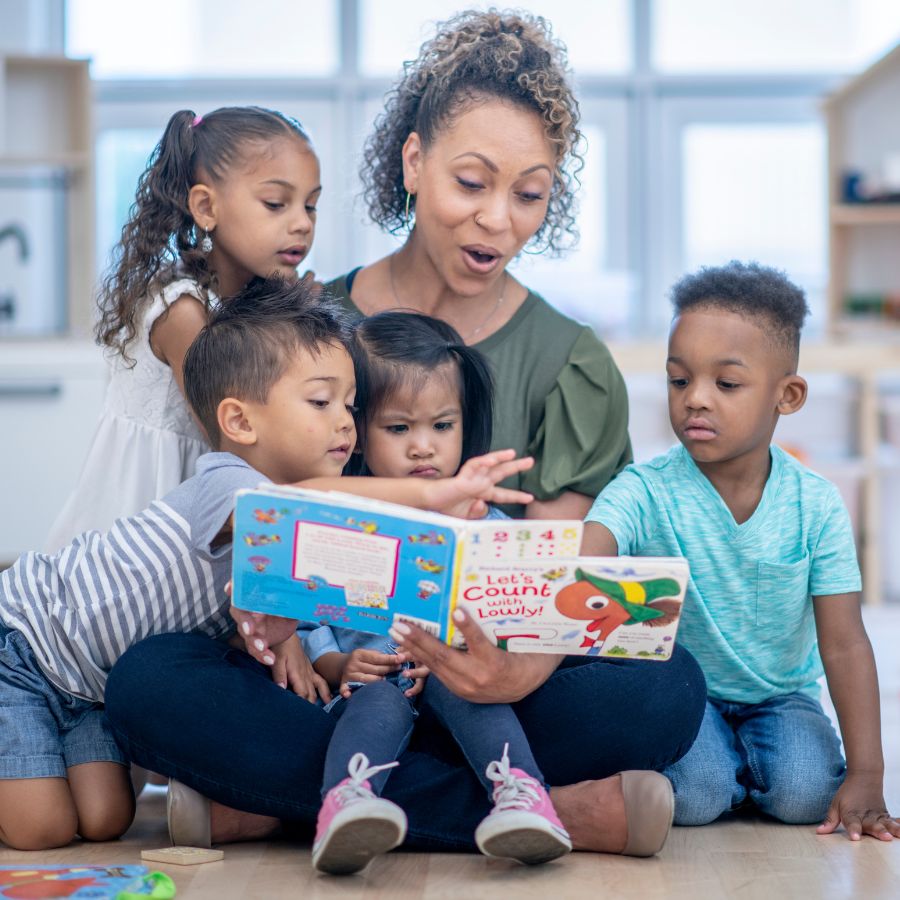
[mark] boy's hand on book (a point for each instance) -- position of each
(367, 665)
(467, 493)
(292, 669)
(859, 806)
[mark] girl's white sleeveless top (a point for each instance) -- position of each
(146, 441)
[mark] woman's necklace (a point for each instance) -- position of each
(475, 331)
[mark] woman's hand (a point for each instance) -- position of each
(292, 669)
(481, 674)
(467, 493)
(261, 632)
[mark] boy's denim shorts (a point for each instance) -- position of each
(44, 731)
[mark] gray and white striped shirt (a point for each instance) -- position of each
(152, 573)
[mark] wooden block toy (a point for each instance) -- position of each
(182, 856)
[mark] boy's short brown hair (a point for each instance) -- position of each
(249, 340)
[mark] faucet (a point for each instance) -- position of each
(17, 233)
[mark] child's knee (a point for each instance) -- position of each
(798, 799)
(104, 800)
(702, 802)
(380, 690)
(42, 831)
(36, 813)
(106, 824)
(702, 793)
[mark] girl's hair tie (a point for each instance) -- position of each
(197, 121)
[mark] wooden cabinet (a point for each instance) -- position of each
(46, 130)
(863, 121)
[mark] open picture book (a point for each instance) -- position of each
(29, 880)
(350, 562)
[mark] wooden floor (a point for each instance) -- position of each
(742, 857)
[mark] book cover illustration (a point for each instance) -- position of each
(622, 607)
(353, 563)
(41, 882)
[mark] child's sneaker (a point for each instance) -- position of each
(354, 825)
(523, 824)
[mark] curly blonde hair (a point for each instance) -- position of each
(510, 56)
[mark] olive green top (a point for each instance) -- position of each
(559, 397)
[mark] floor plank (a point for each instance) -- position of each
(738, 857)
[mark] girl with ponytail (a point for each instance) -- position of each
(226, 197)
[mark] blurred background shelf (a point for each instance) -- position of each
(38, 153)
(864, 237)
(865, 214)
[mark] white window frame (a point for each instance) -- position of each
(642, 114)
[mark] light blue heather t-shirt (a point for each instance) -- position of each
(748, 613)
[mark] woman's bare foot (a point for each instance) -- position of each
(593, 813)
(231, 825)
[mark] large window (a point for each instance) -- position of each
(204, 38)
(704, 138)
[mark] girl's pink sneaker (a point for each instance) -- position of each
(354, 825)
(523, 824)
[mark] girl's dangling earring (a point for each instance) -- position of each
(206, 243)
(409, 223)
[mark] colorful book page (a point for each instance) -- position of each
(25, 882)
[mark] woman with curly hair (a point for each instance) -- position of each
(474, 152)
(475, 157)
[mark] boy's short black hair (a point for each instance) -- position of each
(396, 350)
(249, 340)
(749, 289)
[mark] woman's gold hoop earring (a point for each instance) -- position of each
(408, 198)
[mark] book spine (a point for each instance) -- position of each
(454, 592)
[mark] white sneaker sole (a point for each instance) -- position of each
(358, 834)
(524, 837)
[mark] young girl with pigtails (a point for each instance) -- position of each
(226, 197)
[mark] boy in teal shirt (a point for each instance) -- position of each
(773, 568)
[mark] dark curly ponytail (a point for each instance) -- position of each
(160, 230)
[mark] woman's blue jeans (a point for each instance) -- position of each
(197, 710)
(782, 754)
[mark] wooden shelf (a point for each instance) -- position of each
(865, 214)
(869, 328)
(69, 161)
(46, 125)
